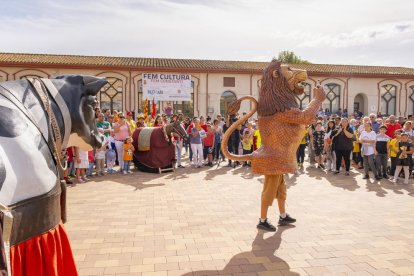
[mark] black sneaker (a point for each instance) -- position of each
(378, 177)
(366, 177)
(384, 176)
(287, 220)
(267, 226)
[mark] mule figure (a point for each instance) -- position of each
(39, 119)
(154, 150)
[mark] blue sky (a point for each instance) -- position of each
(335, 32)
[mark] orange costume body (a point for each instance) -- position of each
(281, 125)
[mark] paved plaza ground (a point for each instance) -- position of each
(203, 222)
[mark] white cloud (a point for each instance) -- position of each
(361, 36)
(321, 31)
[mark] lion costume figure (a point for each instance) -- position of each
(282, 126)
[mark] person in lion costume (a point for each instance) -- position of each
(282, 125)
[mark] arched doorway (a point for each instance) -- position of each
(226, 98)
(361, 103)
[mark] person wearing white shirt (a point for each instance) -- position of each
(361, 128)
(367, 139)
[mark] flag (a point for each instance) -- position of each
(146, 109)
(154, 109)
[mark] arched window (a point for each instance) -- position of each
(185, 107)
(30, 76)
(110, 96)
(333, 97)
(226, 98)
(388, 99)
(410, 110)
(304, 99)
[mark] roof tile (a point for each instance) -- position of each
(220, 65)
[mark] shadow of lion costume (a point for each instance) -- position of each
(281, 123)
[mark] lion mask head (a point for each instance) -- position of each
(279, 85)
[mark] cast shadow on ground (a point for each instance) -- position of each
(291, 179)
(132, 180)
(337, 180)
(221, 169)
(380, 187)
(264, 248)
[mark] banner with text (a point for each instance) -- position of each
(166, 87)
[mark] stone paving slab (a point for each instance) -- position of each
(203, 222)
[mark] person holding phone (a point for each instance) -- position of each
(342, 141)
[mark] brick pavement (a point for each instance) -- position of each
(202, 222)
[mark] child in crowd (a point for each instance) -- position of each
(300, 154)
(91, 159)
(247, 142)
(71, 163)
(257, 140)
(110, 153)
(197, 133)
(381, 151)
(81, 164)
(404, 148)
(356, 152)
(367, 139)
(68, 168)
(100, 154)
(318, 144)
(328, 149)
(218, 134)
(393, 151)
(208, 145)
(128, 154)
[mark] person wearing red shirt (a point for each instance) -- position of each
(203, 124)
(209, 145)
(392, 126)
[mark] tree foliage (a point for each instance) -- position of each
(290, 57)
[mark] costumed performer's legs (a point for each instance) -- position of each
(274, 187)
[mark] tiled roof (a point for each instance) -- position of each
(190, 64)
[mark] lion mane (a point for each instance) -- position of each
(275, 94)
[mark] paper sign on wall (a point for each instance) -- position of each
(166, 87)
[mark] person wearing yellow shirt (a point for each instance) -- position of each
(356, 152)
(247, 141)
(300, 154)
(131, 122)
(393, 151)
(257, 140)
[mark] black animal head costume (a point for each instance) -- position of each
(30, 190)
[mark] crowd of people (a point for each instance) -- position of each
(334, 142)
(376, 144)
(116, 129)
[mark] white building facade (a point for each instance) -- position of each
(369, 89)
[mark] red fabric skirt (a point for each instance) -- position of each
(47, 254)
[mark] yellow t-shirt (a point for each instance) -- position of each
(258, 138)
(132, 125)
(128, 152)
(247, 143)
(356, 144)
(305, 134)
(394, 145)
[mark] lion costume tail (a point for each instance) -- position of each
(233, 108)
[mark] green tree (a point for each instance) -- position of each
(290, 57)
